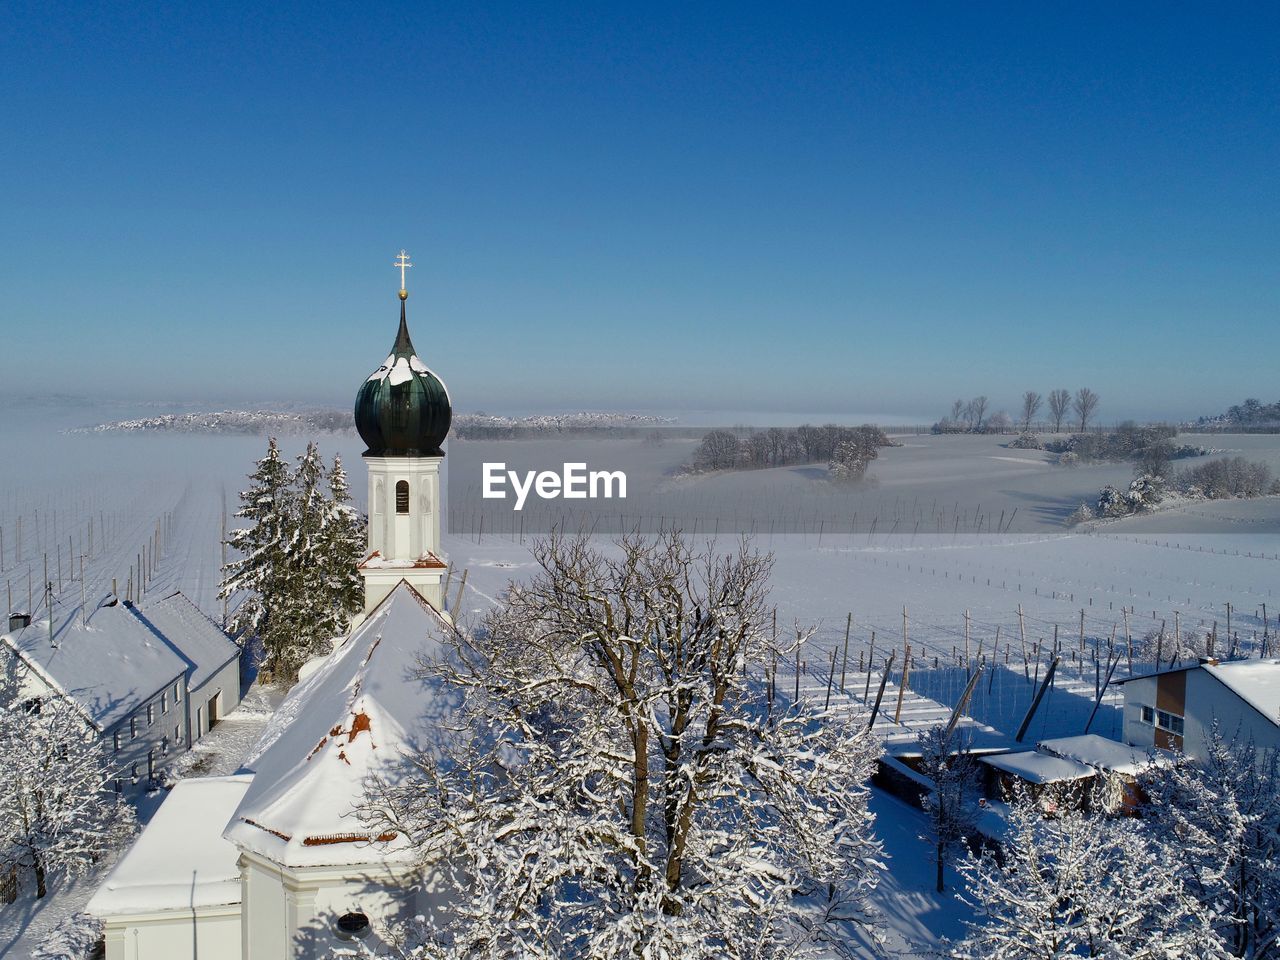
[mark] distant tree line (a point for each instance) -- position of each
(1250, 413)
(785, 446)
(971, 416)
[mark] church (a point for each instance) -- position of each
(274, 862)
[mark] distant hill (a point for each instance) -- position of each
(466, 426)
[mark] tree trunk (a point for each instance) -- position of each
(41, 887)
(941, 885)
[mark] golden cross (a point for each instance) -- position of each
(403, 263)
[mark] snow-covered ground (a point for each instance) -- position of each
(1186, 564)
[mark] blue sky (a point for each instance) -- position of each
(692, 206)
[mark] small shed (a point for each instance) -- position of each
(1056, 782)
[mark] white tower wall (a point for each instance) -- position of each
(404, 528)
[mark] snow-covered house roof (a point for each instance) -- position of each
(150, 878)
(196, 638)
(1036, 767)
(109, 666)
(357, 714)
(1100, 753)
(1256, 682)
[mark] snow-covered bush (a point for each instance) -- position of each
(850, 461)
(1227, 478)
(620, 785)
(1026, 441)
(1143, 493)
(1068, 458)
(78, 937)
(1081, 514)
(1080, 885)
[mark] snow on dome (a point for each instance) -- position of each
(149, 877)
(359, 713)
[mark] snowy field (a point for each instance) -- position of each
(1181, 566)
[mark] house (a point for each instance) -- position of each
(150, 680)
(1176, 709)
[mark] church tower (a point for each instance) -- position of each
(403, 414)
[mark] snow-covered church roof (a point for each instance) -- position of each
(181, 861)
(359, 713)
(122, 656)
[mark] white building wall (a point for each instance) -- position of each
(225, 684)
(1208, 699)
(1136, 694)
(205, 933)
(403, 538)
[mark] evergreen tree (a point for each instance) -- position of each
(341, 548)
(262, 545)
(298, 559)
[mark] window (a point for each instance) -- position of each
(134, 771)
(151, 714)
(115, 741)
(119, 785)
(177, 693)
(1169, 721)
(402, 496)
(164, 702)
(151, 764)
(1148, 714)
(164, 745)
(175, 735)
(133, 728)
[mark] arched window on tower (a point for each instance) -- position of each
(402, 496)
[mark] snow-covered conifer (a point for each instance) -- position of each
(341, 547)
(622, 785)
(258, 572)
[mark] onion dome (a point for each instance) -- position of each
(403, 409)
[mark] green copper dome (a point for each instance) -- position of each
(403, 410)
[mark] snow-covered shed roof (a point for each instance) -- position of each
(1036, 767)
(1100, 753)
(181, 860)
(110, 665)
(357, 714)
(1256, 682)
(197, 639)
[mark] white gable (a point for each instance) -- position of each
(356, 715)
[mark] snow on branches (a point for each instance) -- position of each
(60, 813)
(1080, 885)
(619, 783)
(297, 559)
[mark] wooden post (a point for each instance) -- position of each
(902, 687)
(1128, 642)
(457, 602)
(1098, 702)
(1035, 704)
(1177, 637)
(884, 678)
(966, 638)
(844, 667)
(871, 658)
(831, 679)
(1022, 635)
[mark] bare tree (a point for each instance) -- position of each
(1030, 407)
(951, 805)
(623, 782)
(977, 412)
(957, 411)
(1059, 403)
(1084, 404)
